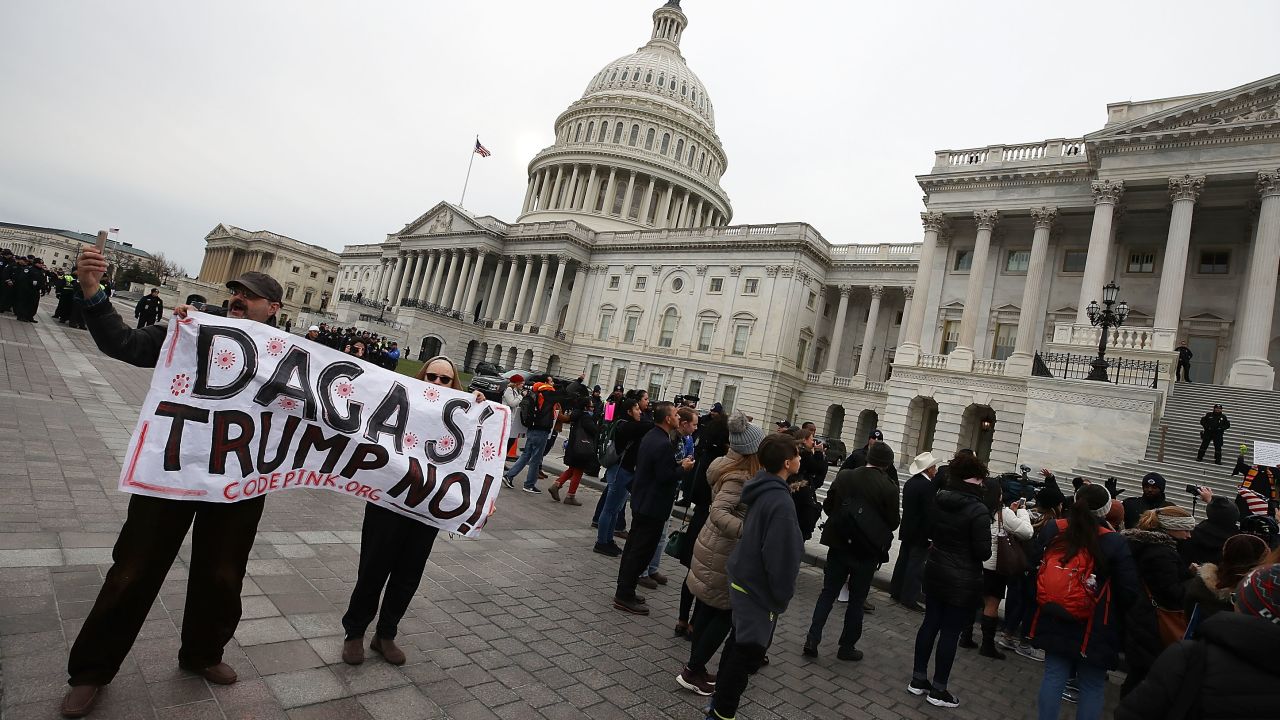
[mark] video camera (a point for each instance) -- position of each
(1019, 486)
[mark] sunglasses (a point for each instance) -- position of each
(244, 293)
(439, 379)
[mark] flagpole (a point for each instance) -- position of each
(468, 180)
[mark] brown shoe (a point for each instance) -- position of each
(353, 651)
(571, 500)
(659, 578)
(218, 674)
(79, 700)
(386, 647)
(647, 582)
(554, 492)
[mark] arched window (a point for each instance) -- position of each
(635, 135)
(695, 96)
(577, 133)
(591, 126)
(666, 142)
(624, 75)
(684, 89)
(604, 131)
(648, 140)
(648, 77)
(668, 332)
(701, 159)
(662, 80)
(693, 150)
(617, 134)
(679, 149)
(613, 76)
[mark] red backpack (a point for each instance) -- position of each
(1065, 586)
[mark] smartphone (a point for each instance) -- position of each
(102, 240)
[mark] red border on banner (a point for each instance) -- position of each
(133, 464)
(173, 344)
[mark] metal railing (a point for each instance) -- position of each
(351, 298)
(1120, 371)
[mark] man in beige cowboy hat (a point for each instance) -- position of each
(913, 534)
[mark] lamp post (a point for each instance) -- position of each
(382, 309)
(1106, 318)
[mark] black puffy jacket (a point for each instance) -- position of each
(1208, 537)
(1237, 676)
(1163, 575)
(961, 543)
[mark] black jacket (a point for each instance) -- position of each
(627, 436)
(1164, 576)
(917, 498)
(1135, 506)
(870, 484)
(765, 562)
(1064, 635)
(653, 490)
(581, 450)
(1208, 537)
(858, 458)
(1237, 677)
(149, 307)
(139, 347)
(961, 543)
(1214, 425)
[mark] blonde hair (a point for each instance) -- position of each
(1150, 519)
(455, 383)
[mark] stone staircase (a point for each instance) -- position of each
(1251, 412)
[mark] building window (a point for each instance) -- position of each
(297, 269)
(620, 376)
(677, 284)
(963, 261)
(641, 281)
(740, 335)
(695, 385)
(577, 133)
(801, 351)
(717, 285)
(819, 354)
(656, 380)
(750, 286)
(950, 336)
(729, 392)
(614, 282)
(629, 333)
(1017, 261)
(604, 131)
(306, 298)
(668, 332)
(617, 134)
(679, 147)
(606, 319)
(813, 300)
(826, 309)
(635, 135)
(593, 374)
(313, 274)
(648, 140)
(330, 279)
(1141, 261)
(1006, 336)
(1073, 261)
(288, 293)
(1214, 262)
(666, 143)
(591, 128)
(706, 333)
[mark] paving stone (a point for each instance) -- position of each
(305, 687)
(400, 703)
(279, 657)
(265, 630)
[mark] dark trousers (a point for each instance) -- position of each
(1183, 372)
(393, 553)
(711, 625)
(743, 654)
(686, 600)
(942, 623)
(1020, 604)
(25, 304)
(904, 586)
(642, 543)
(1214, 438)
(152, 533)
(841, 567)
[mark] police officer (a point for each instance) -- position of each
(1214, 424)
(27, 282)
(149, 309)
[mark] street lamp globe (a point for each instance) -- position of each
(1093, 310)
(1110, 292)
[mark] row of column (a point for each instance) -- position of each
(452, 278)
(577, 188)
(868, 333)
(222, 264)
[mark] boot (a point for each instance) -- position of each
(989, 638)
(966, 638)
(554, 492)
(571, 500)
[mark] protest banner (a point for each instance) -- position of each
(1266, 453)
(237, 409)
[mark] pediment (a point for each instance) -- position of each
(441, 219)
(1208, 316)
(1248, 107)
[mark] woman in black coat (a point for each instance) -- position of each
(1164, 575)
(580, 456)
(961, 530)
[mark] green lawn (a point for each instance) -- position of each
(411, 368)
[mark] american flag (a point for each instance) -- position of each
(114, 230)
(1257, 504)
(1258, 478)
(481, 150)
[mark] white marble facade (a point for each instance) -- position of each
(624, 266)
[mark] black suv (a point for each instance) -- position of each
(488, 380)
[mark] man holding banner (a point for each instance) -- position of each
(155, 527)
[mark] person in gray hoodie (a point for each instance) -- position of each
(762, 571)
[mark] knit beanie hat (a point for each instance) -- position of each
(744, 438)
(1222, 512)
(1155, 479)
(880, 455)
(1050, 497)
(1258, 593)
(1240, 554)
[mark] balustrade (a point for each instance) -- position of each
(811, 377)
(875, 386)
(988, 367)
(843, 382)
(933, 361)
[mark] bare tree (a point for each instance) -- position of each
(164, 268)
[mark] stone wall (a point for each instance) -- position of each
(1070, 423)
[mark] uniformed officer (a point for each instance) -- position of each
(149, 309)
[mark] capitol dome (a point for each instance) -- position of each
(639, 149)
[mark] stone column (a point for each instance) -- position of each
(522, 290)
(1251, 368)
(451, 279)
(609, 189)
(473, 287)
(1024, 346)
(648, 198)
(837, 336)
(961, 358)
(697, 215)
(556, 286)
(907, 294)
(503, 311)
(664, 213)
(460, 287)
(437, 277)
(544, 261)
(572, 190)
(1106, 194)
(869, 335)
(375, 292)
(626, 198)
(410, 266)
(528, 193)
(493, 289)
(432, 257)
(544, 193)
(1184, 191)
(575, 300)
(420, 266)
(394, 286)
(909, 351)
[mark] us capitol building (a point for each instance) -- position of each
(624, 264)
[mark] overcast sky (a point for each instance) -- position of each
(338, 122)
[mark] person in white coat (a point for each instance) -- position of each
(1015, 521)
(511, 397)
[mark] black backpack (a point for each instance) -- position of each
(529, 410)
(858, 529)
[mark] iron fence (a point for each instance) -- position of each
(1120, 371)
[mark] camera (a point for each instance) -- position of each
(1194, 490)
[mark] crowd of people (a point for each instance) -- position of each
(368, 346)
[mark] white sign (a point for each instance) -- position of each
(238, 409)
(1266, 453)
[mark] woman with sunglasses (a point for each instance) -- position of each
(393, 552)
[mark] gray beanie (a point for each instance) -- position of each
(880, 455)
(744, 438)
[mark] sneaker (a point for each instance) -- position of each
(868, 608)
(633, 606)
(658, 578)
(850, 654)
(1071, 693)
(554, 492)
(532, 490)
(508, 482)
(920, 687)
(595, 525)
(647, 582)
(1025, 650)
(844, 594)
(991, 652)
(1007, 641)
(571, 500)
(942, 698)
(610, 549)
(695, 682)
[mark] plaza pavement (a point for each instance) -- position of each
(515, 624)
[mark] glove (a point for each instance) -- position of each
(1110, 485)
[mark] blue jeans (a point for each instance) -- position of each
(534, 448)
(604, 498)
(841, 567)
(1091, 681)
(662, 547)
(943, 623)
(619, 480)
